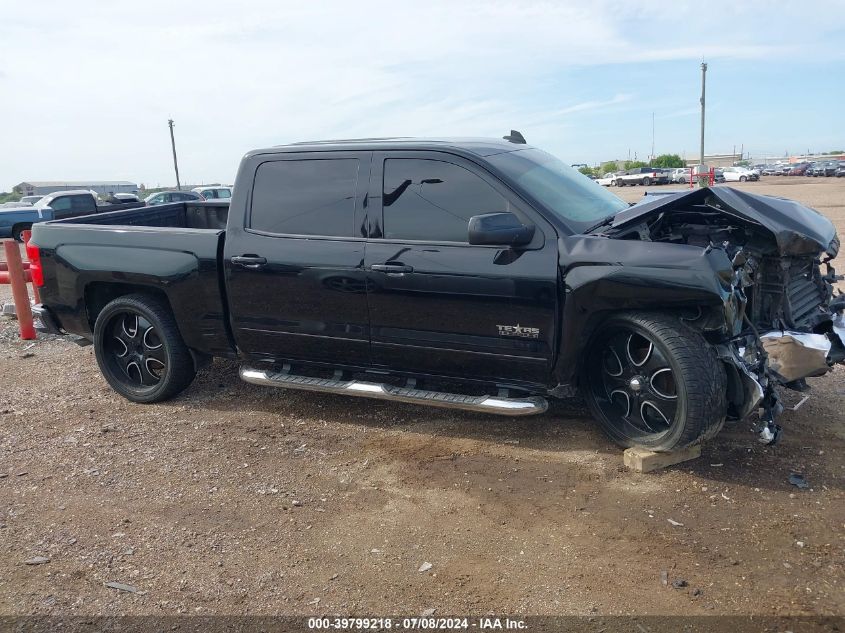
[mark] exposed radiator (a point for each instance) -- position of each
(787, 294)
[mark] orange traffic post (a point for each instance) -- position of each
(19, 293)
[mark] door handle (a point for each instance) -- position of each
(392, 268)
(249, 261)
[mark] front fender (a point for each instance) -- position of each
(601, 276)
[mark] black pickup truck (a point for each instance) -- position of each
(471, 273)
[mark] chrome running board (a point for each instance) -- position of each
(485, 404)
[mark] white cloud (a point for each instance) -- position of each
(88, 86)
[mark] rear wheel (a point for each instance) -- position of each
(620, 183)
(18, 229)
(742, 179)
(682, 180)
(612, 183)
(646, 181)
(140, 351)
(653, 382)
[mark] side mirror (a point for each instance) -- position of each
(499, 229)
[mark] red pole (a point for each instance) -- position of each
(19, 293)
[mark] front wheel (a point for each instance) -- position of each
(140, 351)
(646, 182)
(653, 382)
(682, 180)
(742, 179)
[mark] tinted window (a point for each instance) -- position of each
(561, 189)
(305, 197)
(224, 194)
(83, 203)
(73, 205)
(432, 200)
(61, 204)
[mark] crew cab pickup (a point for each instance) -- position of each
(477, 274)
(642, 176)
(62, 204)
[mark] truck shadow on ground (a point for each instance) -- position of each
(733, 458)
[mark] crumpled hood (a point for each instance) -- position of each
(798, 230)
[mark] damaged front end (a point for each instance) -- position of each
(782, 323)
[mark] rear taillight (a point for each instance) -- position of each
(36, 272)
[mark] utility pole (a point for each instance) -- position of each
(652, 140)
(176, 165)
(703, 84)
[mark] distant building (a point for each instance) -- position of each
(715, 160)
(35, 187)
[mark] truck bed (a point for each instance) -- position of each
(184, 215)
(173, 251)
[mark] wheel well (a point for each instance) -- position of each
(704, 319)
(23, 226)
(99, 294)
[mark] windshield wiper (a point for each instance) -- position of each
(601, 223)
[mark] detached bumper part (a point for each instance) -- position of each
(796, 355)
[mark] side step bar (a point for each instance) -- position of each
(485, 404)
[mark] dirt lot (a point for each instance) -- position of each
(238, 499)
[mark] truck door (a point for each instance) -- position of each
(439, 305)
(295, 270)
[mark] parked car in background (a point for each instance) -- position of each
(608, 180)
(840, 169)
(771, 170)
(214, 192)
(831, 166)
(799, 169)
(679, 175)
(59, 205)
(642, 176)
(122, 197)
(718, 175)
(739, 174)
(165, 197)
(815, 169)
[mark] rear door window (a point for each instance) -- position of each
(432, 200)
(313, 196)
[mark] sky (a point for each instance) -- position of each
(87, 87)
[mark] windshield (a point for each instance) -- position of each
(567, 193)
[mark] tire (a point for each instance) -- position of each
(646, 182)
(682, 180)
(140, 351)
(612, 183)
(620, 183)
(18, 229)
(672, 399)
(742, 179)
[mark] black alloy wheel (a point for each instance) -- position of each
(134, 350)
(140, 351)
(653, 382)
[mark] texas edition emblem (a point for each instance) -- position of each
(519, 330)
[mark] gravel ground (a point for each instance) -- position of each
(235, 499)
